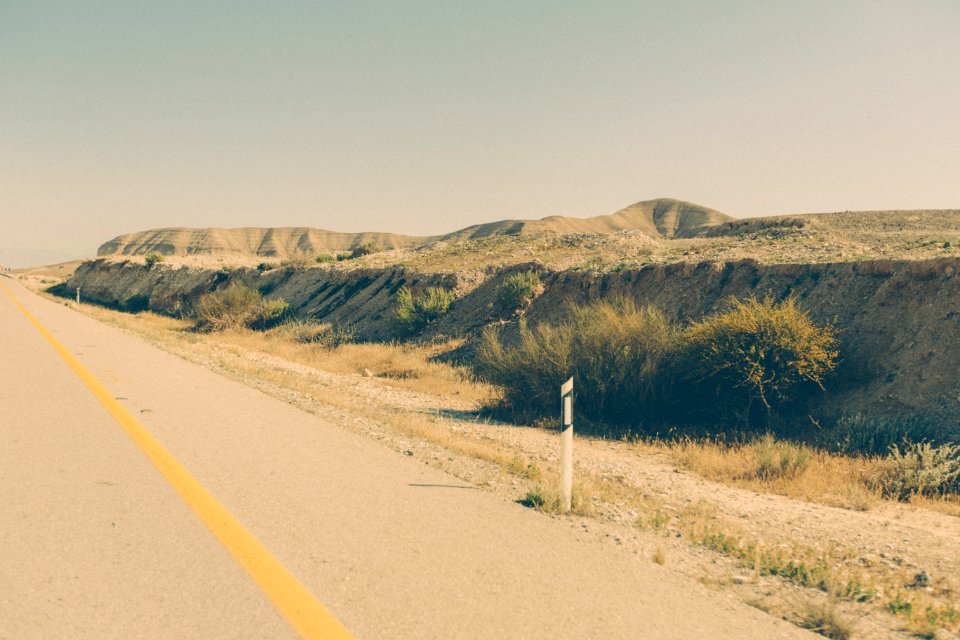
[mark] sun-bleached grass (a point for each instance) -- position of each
(407, 366)
(789, 469)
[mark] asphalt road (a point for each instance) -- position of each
(95, 542)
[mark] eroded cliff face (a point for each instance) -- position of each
(900, 320)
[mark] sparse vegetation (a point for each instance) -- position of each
(237, 307)
(517, 291)
(152, 258)
(824, 618)
(323, 334)
(298, 262)
(544, 498)
(613, 349)
(875, 434)
(755, 359)
(326, 257)
(366, 249)
(920, 469)
(414, 312)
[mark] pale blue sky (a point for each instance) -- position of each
(423, 117)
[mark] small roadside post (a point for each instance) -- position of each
(78, 297)
(566, 445)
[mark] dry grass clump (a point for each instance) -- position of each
(546, 497)
(236, 307)
(824, 618)
(922, 473)
(322, 334)
(612, 349)
(795, 470)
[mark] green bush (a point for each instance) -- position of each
(613, 350)
(153, 258)
(920, 469)
(325, 257)
(266, 266)
(755, 359)
(237, 307)
(344, 255)
(413, 312)
(517, 291)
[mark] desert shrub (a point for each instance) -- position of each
(876, 435)
(413, 312)
(344, 255)
(153, 258)
(517, 291)
(529, 371)
(366, 249)
(237, 307)
(270, 312)
(266, 266)
(325, 257)
(921, 469)
(754, 359)
(612, 349)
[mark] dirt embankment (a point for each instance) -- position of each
(900, 319)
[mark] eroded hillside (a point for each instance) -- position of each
(900, 320)
(662, 218)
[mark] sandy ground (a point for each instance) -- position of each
(896, 540)
(98, 546)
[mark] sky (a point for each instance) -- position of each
(424, 117)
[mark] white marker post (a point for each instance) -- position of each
(566, 445)
(78, 297)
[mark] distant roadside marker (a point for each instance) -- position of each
(566, 445)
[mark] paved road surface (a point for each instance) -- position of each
(95, 543)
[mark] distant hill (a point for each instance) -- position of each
(662, 218)
(276, 242)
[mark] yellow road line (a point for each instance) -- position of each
(294, 601)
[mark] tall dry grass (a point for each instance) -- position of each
(612, 349)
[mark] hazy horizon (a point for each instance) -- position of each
(365, 116)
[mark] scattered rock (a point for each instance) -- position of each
(367, 373)
(407, 452)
